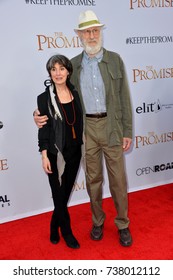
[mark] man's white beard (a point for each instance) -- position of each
(92, 49)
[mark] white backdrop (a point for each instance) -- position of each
(32, 31)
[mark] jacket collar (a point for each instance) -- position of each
(80, 56)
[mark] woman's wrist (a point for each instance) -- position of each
(44, 154)
(44, 157)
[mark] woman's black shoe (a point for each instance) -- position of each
(54, 237)
(71, 241)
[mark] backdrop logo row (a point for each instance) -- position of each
(150, 4)
(59, 40)
(133, 3)
(62, 2)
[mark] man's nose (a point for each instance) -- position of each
(91, 34)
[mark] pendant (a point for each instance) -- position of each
(73, 132)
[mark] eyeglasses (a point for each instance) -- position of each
(88, 32)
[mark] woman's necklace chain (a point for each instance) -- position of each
(74, 116)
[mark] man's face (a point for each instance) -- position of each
(91, 39)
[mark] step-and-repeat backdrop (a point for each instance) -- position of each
(33, 30)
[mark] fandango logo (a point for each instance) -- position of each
(3, 164)
(151, 74)
(151, 4)
(59, 40)
(156, 168)
(4, 200)
(153, 139)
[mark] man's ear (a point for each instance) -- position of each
(78, 33)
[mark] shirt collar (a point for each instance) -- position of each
(97, 57)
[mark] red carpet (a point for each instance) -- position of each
(151, 215)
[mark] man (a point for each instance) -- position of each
(99, 76)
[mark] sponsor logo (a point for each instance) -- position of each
(153, 107)
(152, 139)
(150, 73)
(57, 41)
(1, 125)
(154, 169)
(149, 40)
(78, 187)
(4, 201)
(150, 4)
(3, 164)
(62, 2)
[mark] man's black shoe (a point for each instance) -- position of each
(96, 232)
(71, 241)
(125, 237)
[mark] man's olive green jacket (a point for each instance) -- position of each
(118, 104)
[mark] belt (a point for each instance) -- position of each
(97, 115)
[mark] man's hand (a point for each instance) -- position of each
(126, 144)
(39, 120)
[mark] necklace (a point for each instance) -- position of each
(74, 116)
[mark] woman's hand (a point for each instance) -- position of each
(46, 165)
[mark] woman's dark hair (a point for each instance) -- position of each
(61, 60)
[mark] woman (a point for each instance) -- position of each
(60, 143)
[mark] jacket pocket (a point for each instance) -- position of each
(116, 78)
(115, 74)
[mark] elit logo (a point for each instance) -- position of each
(1, 125)
(149, 107)
(4, 201)
(153, 107)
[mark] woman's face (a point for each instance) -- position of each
(59, 74)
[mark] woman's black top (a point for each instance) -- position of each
(57, 134)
